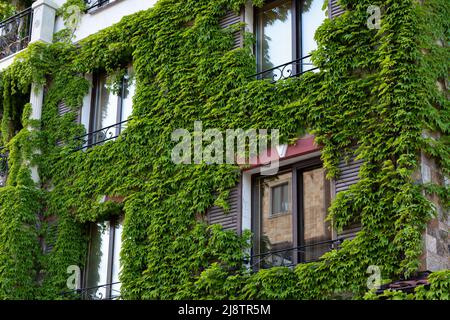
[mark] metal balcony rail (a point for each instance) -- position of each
(15, 33)
(95, 4)
(100, 136)
(3, 166)
(103, 292)
(292, 256)
(288, 70)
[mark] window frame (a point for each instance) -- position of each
(297, 203)
(113, 221)
(95, 104)
(277, 184)
(296, 31)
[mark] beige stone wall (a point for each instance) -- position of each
(315, 206)
(436, 237)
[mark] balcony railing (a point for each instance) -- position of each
(15, 33)
(293, 256)
(100, 136)
(95, 4)
(288, 70)
(110, 291)
(3, 166)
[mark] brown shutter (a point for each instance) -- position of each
(51, 236)
(349, 176)
(229, 19)
(63, 108)
(229, 220)
(334, 9)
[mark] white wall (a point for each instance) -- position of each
(104, 16)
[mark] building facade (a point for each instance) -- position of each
(286, 212)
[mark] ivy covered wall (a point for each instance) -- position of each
(376, 88)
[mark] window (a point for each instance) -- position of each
(93, 5)
(110, 109)
(289, 216)
(280, 199)
(103, 265)
(285, 36)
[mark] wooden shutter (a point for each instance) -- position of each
(229, 19)
(229, 220)
(51, 236)
(334, 9)
(349, 176)
(63, 108)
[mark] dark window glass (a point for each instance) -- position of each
(103, 268)
(289, 220)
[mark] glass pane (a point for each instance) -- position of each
(118, 228)
(97, 271)
(316, 229)
(106, 111)
(280, 199)
(312, 17)
(275, 231)
(275, 36)
(127, 96)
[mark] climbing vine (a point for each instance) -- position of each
(376, 89)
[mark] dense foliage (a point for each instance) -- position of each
(376, 89)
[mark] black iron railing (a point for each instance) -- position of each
(288, 70)
(15, 33)
(110, 291)
(293, 256)
(3, 166)
(100, 136)
(95, 4)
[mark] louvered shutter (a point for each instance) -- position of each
(63, 109)
(51, 237)
(349, 176)
(334, 9)
(229, 220)
(229, 19)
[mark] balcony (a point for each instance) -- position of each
(292, 256)
(100, 136)
(93, 5)
(15, 33)
(3, 166)
(109, 291)
(288, 70)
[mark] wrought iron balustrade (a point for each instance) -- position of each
(110, 291)
(95, 4)
(15, 33)
(292, 256)
(288, 70)
(3, 166)
(100, 136)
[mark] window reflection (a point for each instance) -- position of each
(275, 35)
(285, 35)
(312, 17)
(98, 258)
(103, 267)
(111, 108)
